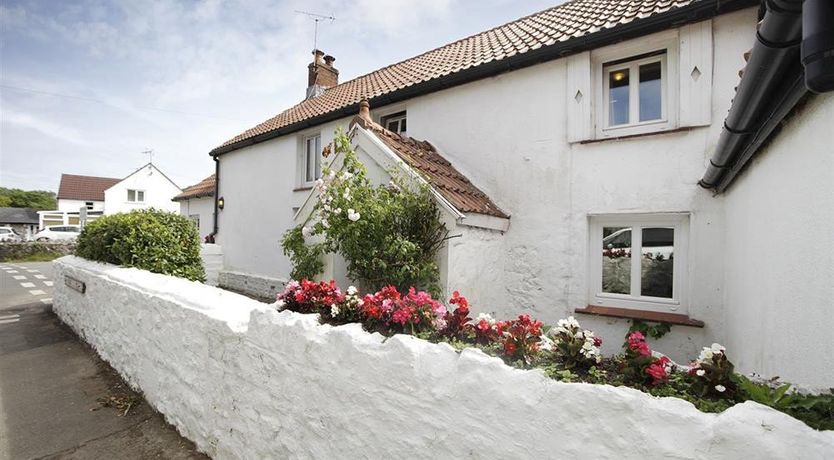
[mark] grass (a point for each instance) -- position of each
(37, 257)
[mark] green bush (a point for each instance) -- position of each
(153, 240)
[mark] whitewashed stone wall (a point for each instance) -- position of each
(212, 257)
(244, 381)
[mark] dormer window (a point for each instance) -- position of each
(396, 123)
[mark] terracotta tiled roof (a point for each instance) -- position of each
(574, 19)
(438, 171)
(89, 188)
(199, 190)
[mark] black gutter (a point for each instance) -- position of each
(773, 69)
(694, 12)
(216, 195)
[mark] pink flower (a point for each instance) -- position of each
(657, 370)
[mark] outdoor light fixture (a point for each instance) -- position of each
(221, 203)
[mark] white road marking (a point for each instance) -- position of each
(40, 277)
(9, 321)
(36, 292)
(47, 300)
(33, 271)
(48, 283)
(9, 316)
(19, 277)
(11, 271)
(27, 285)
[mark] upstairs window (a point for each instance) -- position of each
(395, 123)
(311, 159)
(634, 92)
(136, 196)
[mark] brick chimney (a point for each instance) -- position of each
(321, 74)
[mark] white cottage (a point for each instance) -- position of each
(197, 203)
(595, 130)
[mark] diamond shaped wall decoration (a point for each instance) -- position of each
(695, 73)
(578, 96)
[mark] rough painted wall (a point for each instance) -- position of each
(244, 381)
(779, 257)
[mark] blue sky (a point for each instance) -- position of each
(86, 86)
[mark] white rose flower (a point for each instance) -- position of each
(337, 211)
(351, 290)
(334, 310)
(720, 388)
(700, 372)
(353, 215)
(306, 231)
(325, 223)
(331, 174)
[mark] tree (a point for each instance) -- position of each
(17, 198)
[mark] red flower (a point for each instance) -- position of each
(657, 370)
(597, 342)
(637, 344)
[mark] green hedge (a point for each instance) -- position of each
(153, 240)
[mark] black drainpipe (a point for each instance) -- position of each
(771, 72)
(216, 194)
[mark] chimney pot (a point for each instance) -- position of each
(317, 55)
(328, 59)
(321, 74)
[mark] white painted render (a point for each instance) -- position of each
(244, 381)
(509, 135)
(75, 205)
(203, 208)
(779, 253)
(159, 190)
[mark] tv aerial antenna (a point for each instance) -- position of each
(149, 153)
(316, 18)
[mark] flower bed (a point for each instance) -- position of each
(565, 352)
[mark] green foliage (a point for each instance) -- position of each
(16, 198)
(388, 234)
(654, 331)
(817, 411)
(154, 240)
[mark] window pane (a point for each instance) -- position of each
(131, 195)
(317, 156)
(616, 260)
(403, 128)
(657, 263)
(393, 125)
(618, 97)
(308, 161)
(650, 92)
(140, 196)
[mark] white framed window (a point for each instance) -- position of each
(135, 196)
(89, 205)
(639, 261)
(310, 159)
(636, 86)
(634, 92)
(396, 122)
(196, 219)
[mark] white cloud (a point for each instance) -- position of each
(45, 127)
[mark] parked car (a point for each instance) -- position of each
(657, 242)
(8, 235)
(58, 233)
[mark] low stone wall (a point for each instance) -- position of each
(16, 251)
(245, 381)
(259, 287)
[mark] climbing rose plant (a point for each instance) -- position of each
(388, 234)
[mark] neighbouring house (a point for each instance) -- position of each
(564, 142)
(24, 221)
(197, 203)
(81, 197)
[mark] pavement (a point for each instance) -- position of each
(58, 399)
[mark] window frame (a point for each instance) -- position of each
(304, 160)
(633, 67)
(663, 46)
(136, 193)
(679, 222)
(399, 117)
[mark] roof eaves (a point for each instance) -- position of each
(698, 10)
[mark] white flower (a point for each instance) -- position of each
(720, 388)
(334, 310)
(706, 354)
(319, 184)
(306, 231)
(486, 317)
(280, 304)
(325, 223)
(353, 215)
(327, 207)
(337, 211)
(717, 348)
(347, 175)
(331, 174)
(351, 290)
(700, 372)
